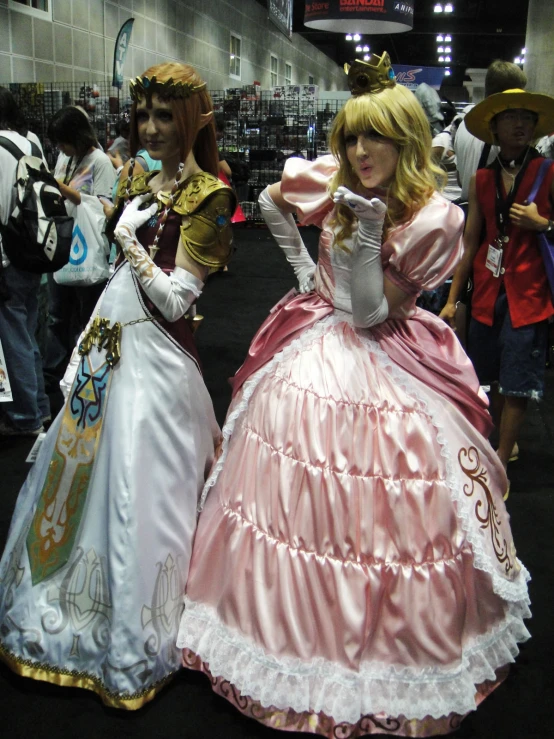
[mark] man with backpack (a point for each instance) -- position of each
(30, 407)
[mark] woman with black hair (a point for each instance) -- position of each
(12, 118)
(81, 168)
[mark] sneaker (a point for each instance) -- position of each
(6, 429)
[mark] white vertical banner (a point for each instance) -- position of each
(5, 389)
(280, 13)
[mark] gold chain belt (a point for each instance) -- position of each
(102, 335)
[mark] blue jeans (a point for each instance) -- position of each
(515, 358)
(18, 322)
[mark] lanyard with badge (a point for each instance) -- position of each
(495, 251)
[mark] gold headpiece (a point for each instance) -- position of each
(144, 87)
(371, 76)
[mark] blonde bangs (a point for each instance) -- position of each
(396, 114)
(366, 115)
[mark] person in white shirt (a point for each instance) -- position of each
(471, 153)
(81, 168)
(444, 156)
(30, 406)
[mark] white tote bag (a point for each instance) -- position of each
(88, 258)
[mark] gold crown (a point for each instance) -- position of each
(371, 76)
(144, 87)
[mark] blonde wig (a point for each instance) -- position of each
(395, 114)
(187, 114)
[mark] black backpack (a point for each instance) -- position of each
(38, 235)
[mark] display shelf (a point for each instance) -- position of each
(262, 128)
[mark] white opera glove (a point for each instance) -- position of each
(369, 304)
(171, 294)
(285, 232)
(66, 383)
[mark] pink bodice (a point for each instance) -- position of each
(417, 255)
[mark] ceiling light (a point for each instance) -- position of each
(357, 37)
(441, 59)
(523, 51)
(447, 73)
(437, 8)
(440, 38)
(517, 60)
(448, 38)
(348, 37)
(447, 59)
(448, 8)
(358, 49)
(366, 48)
(366, 57)
(232, 56)
(440, 50)
(447, 49)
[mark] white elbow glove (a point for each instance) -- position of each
(171, 294)
(66, 383)
(369, 304)
(285, 232)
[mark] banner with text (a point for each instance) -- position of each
(280, 13)
(120, 52)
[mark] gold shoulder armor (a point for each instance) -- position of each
(139, 185)
(206, 206)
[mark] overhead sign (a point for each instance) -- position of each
(120, 52)
(411, 77)
(362, 16)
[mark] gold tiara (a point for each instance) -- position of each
(371, 76)
(145, 87)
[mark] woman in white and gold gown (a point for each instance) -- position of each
(94, 570)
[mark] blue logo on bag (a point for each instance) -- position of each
(79, 247)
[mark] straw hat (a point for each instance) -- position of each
(478, 119)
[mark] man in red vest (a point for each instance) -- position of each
(511, 301)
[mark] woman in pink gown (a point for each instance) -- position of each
(353, 570)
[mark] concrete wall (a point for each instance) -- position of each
(539, 59)
(78, 43)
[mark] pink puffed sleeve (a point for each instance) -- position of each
(305, 185)
(424, 252)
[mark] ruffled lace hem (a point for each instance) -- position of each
(345, 695)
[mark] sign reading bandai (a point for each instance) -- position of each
(364, 16)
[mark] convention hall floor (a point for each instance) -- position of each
(234, 305)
